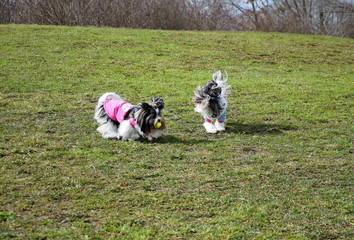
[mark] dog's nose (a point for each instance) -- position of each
(158, 120)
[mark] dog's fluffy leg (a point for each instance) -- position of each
(156, 134)
(108, 131)
(209, 127)
(127, 132)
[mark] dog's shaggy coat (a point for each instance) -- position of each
(142, 120)
(210, 101)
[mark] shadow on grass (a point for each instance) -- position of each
(231, 127)
(168, 139)
(258, 128)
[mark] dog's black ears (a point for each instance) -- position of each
(157, 102)
(144, 105)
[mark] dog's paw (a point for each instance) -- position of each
(220, 126)
(209, 127)
(110, 135)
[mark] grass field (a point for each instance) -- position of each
(282, 170)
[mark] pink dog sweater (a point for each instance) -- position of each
(117, 110)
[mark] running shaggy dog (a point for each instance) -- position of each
(210, 101)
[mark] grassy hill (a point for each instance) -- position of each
(282, 170)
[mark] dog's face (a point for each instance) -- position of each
(149, 118)
(212, 89)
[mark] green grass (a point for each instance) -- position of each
(282, 170)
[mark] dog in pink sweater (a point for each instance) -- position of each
(119, 119)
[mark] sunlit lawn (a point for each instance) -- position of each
(282, 170)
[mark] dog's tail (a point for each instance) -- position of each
(221, 81)
(109, 95)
